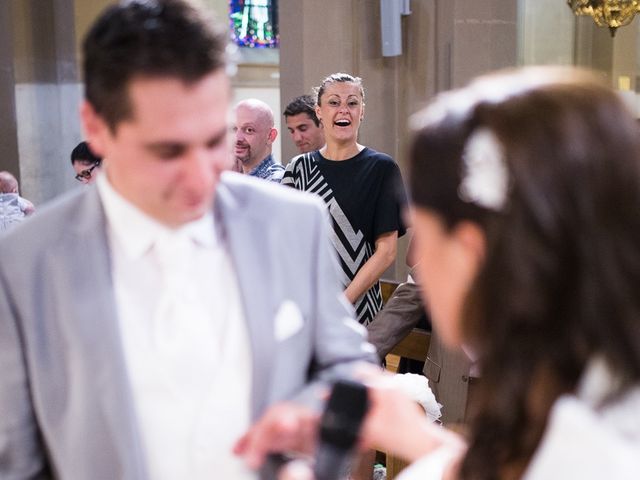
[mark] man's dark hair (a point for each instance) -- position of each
(147, 38)
(302, 104)
(82, 153)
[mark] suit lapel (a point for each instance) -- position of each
(86, 261)
(240, 231)
(97, 324)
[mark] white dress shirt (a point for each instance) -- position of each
(185, 341)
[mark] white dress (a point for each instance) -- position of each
(582, 440)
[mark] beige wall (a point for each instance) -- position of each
(86, 11)
(44, 38)
(485, 37)
(540, 20)
(320, 38)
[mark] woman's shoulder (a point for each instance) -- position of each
(583, 442)
(380, 157)
(298, 160)
(380, 162)
(301, 158)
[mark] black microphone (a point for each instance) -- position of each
(339, 429)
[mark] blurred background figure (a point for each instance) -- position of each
(84, 162)
(254, 136)
(362, 188)
(303, 124)
(13, 208)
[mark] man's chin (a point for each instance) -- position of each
(189, 214)
(198, 212)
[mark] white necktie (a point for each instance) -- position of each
(183, 329)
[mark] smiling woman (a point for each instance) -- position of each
(362, 188)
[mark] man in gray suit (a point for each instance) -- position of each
(147, 320)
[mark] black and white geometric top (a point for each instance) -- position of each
(365, 196)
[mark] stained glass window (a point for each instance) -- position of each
(254, 23)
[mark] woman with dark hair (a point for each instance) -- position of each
(526, 198)
(362, 188)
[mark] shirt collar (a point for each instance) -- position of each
(137, 231)
(597, 382)
(262, 168)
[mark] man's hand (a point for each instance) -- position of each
(285, 427)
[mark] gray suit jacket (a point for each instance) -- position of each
(65, 402)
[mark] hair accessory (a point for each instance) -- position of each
(484, 177)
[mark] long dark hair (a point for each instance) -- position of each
(559, 284)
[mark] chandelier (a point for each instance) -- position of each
(607, 13)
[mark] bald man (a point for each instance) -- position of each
(254, 137)
(13, 208)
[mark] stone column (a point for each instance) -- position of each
(47, 95)
(9, 157)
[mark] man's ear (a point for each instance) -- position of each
(471, 239)
(273, 134)
(95, 128)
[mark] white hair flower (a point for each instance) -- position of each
(484, 177)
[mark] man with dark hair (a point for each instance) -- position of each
(143, 328)
(84, 162)
(303, 124)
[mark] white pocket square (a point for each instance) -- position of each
(288, 321)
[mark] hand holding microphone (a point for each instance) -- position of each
(339, 430)
(288, 427)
